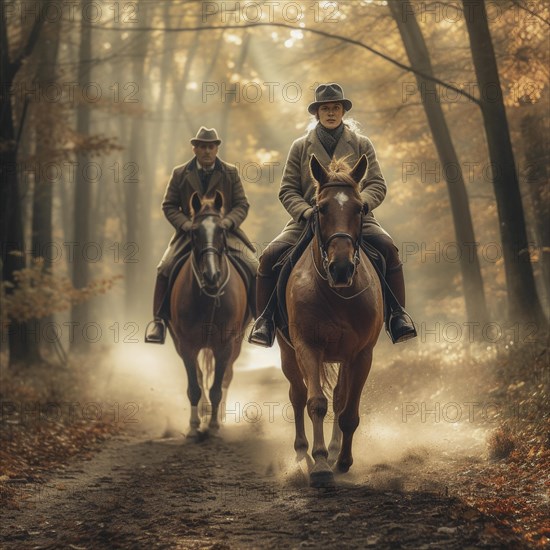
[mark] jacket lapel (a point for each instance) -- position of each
(215, 180)
(193, 175)
(317, 149)
(344, 147)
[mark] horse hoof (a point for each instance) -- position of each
(214, 431)
(332, 459)
(343, 467)
(202, 435)
(301, 455)
(192, 434)
(321, 479)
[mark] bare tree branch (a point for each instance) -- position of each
(525, 8)
(314, 31)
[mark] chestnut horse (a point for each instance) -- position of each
(335, 313)
(208, 312)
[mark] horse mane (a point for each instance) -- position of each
(338, 171)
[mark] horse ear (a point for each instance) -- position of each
(195, 203)
(360, 169)
(218, 200)
(317, 170)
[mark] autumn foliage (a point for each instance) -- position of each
(38, 293)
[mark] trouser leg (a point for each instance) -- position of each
(245, 256)
(263, 332)
(156, 330)
(396, 282)
(398, 322)
(265, 286)
(161, 288)
(267, 277)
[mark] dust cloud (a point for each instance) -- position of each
(419, 412)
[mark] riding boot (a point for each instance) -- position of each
(157, 333)
(263, 331)
(398, 323)
(252, 296)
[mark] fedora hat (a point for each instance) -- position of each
(329, 93)
(208, 135)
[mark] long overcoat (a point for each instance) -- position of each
(297, 191)
(176, 207)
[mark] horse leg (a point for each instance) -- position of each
(223, 359)
(317, 404)
(337, 405)
(227, 378)
(193, 392)
(348, 420)
(298, 397)
(202, 406)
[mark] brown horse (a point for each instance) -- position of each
(335, 310)
(208, 312)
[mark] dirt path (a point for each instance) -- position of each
(175, 493)
(244, 489)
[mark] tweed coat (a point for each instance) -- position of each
(175, 205)
(297, 191)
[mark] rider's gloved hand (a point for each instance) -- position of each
(307, 213)
(226, 224)
(186, 226)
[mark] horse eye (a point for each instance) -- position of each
(323, 209)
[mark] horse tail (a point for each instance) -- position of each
(329, 377)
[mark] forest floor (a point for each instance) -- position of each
(117, 472)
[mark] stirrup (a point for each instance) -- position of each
(154, 322)
(270, 334)
(408, 335)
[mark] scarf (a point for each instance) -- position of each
(329, 138)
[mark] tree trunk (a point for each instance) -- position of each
(136, 210)
(229, 100)
(419, 58)
(45, 149)
(22, 342)
(45, 152)
(82, 196)
(536, 179)
(179, 107)
(523, 302)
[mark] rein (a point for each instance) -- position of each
(202, 285)
(323, 246)
(198, 277)
(335, 291)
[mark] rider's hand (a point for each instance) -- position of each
(307, 213)
(226, 224)
(186, 226)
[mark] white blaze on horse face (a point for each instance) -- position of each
(209, 225)
(341, 198)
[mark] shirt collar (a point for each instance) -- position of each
(211, 169)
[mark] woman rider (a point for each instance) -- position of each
(331, 138)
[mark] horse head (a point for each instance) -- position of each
(338, 218)
(208, 238)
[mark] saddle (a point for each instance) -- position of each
(289, 259)
(241, 267)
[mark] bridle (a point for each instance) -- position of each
(323, 245)
(220, 252)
